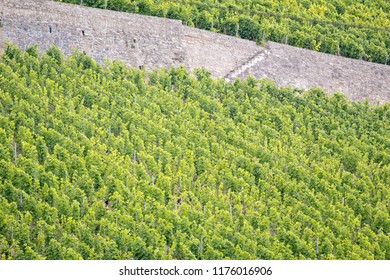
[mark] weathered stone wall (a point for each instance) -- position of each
(156, 42)
(301, 68)
(2, 36)
(137, 40)
(216, 52)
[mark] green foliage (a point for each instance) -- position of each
(116, 163)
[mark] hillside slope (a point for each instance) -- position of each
(118, 163)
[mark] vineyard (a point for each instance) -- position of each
(107, 162)
(355, 29)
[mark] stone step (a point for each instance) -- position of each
(255, 59)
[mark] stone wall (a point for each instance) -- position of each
(134, 39)
(2, 36)
(217, 52)
(137, 40)
(301, 68)
(157, 42)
